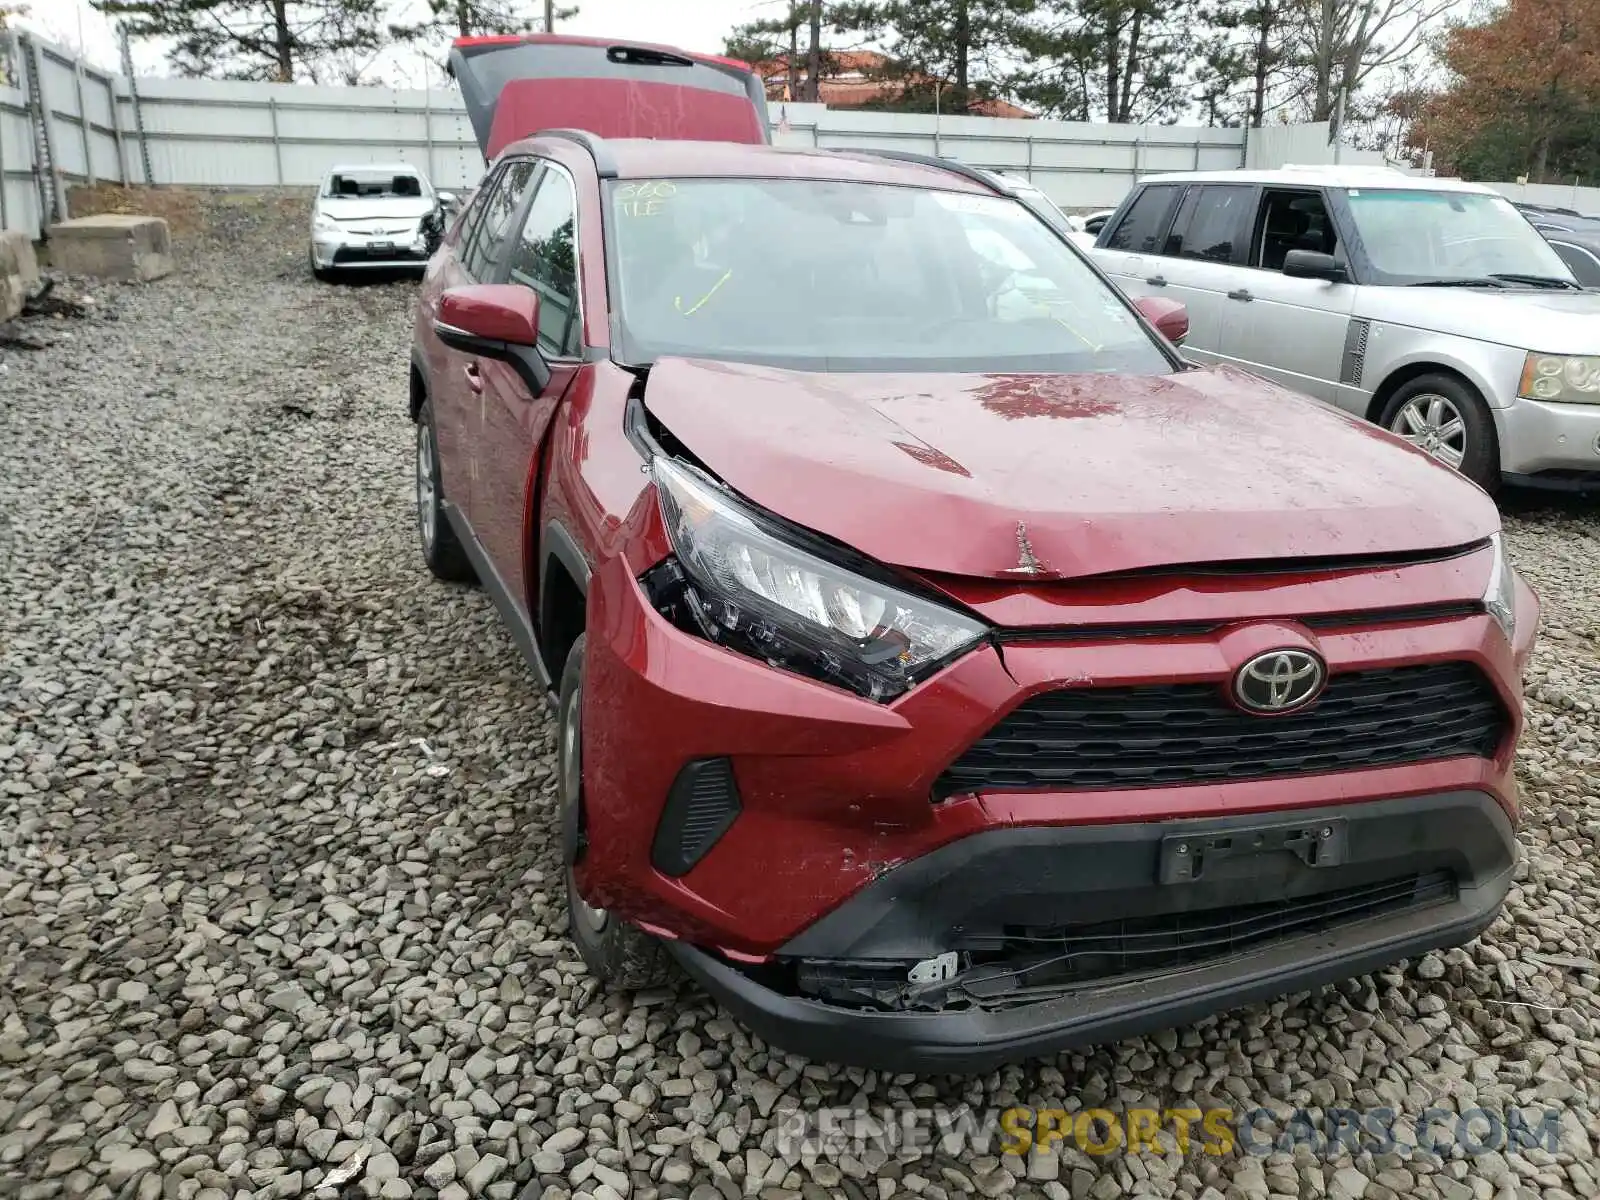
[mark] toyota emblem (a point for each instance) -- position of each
(1279, 681)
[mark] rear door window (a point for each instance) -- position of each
(1213, 223)
(499, 207)
(1142, 226)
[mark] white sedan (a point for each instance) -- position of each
(373, 216)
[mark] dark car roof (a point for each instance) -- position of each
(644, 158)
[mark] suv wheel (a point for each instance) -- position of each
(1446, 417)
(616, 953)
(441, 549)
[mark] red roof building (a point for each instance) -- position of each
(857, 78)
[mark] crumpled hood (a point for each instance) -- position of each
(1063, 476)
(1549, 322)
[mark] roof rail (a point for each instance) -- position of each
(929, 160)
(604, 165)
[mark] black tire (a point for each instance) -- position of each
(1442, 393)
(320, 274)
(618, 954)
(441, 549)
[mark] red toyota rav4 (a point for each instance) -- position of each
(946, 671)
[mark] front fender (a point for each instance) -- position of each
(1491, 368)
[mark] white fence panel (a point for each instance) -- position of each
(19, 193)
(1557, 195)
(1078, 165)
(236, 134)
(1281, 145)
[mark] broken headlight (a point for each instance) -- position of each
(1500, 593)
(755, 591)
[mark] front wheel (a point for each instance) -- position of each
(441, 548)
(1444, 416)
(620, 955)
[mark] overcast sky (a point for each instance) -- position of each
(691, 24)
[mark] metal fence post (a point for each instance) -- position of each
(114, 103)
(138, 110)
(47, 171)
(277, 146)
(427, 130)
(83, 121)
(5, 215)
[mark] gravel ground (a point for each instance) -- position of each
(279, 904)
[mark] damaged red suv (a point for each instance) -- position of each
(946, 672)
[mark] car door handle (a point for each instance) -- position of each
(1240, 294)
(1156, 281)
(474, 376)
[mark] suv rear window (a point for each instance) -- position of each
(1141, 226)
(515, 85)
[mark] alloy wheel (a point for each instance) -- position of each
(427, 491)
(1432, 423)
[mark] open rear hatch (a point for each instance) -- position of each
(516, 85)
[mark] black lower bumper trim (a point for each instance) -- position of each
(978, 1039)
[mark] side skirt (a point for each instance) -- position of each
(516, 622)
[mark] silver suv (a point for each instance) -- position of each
(1429, 306)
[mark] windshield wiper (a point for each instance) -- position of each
(1539, 281)
(1487, 281)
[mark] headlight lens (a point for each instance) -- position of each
(1567, 378)
(323, 221)
(756, 592)
(1500, 595)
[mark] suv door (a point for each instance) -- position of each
(516, 85)
(1135, 232)
(541, 253)
(1293, 331)
(455, 379)
(1202, 260)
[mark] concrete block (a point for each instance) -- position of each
(112, 246)
(19, 271)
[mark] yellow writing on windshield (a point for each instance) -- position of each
(645, 198)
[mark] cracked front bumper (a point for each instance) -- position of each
(1108, 876)
(342, 250)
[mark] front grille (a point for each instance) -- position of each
(1161, 735)
(1137, 946)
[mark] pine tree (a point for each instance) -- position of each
(475, 18)
(1121, 60)
(775, 38)
(965, 44)
(279, 40)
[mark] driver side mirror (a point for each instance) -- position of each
(495, 320)
(1310, 264)
(1170, 317)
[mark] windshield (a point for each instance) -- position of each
(1416, 236)
(368, 185)
(852, 276)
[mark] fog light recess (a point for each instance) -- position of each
(702, 805)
